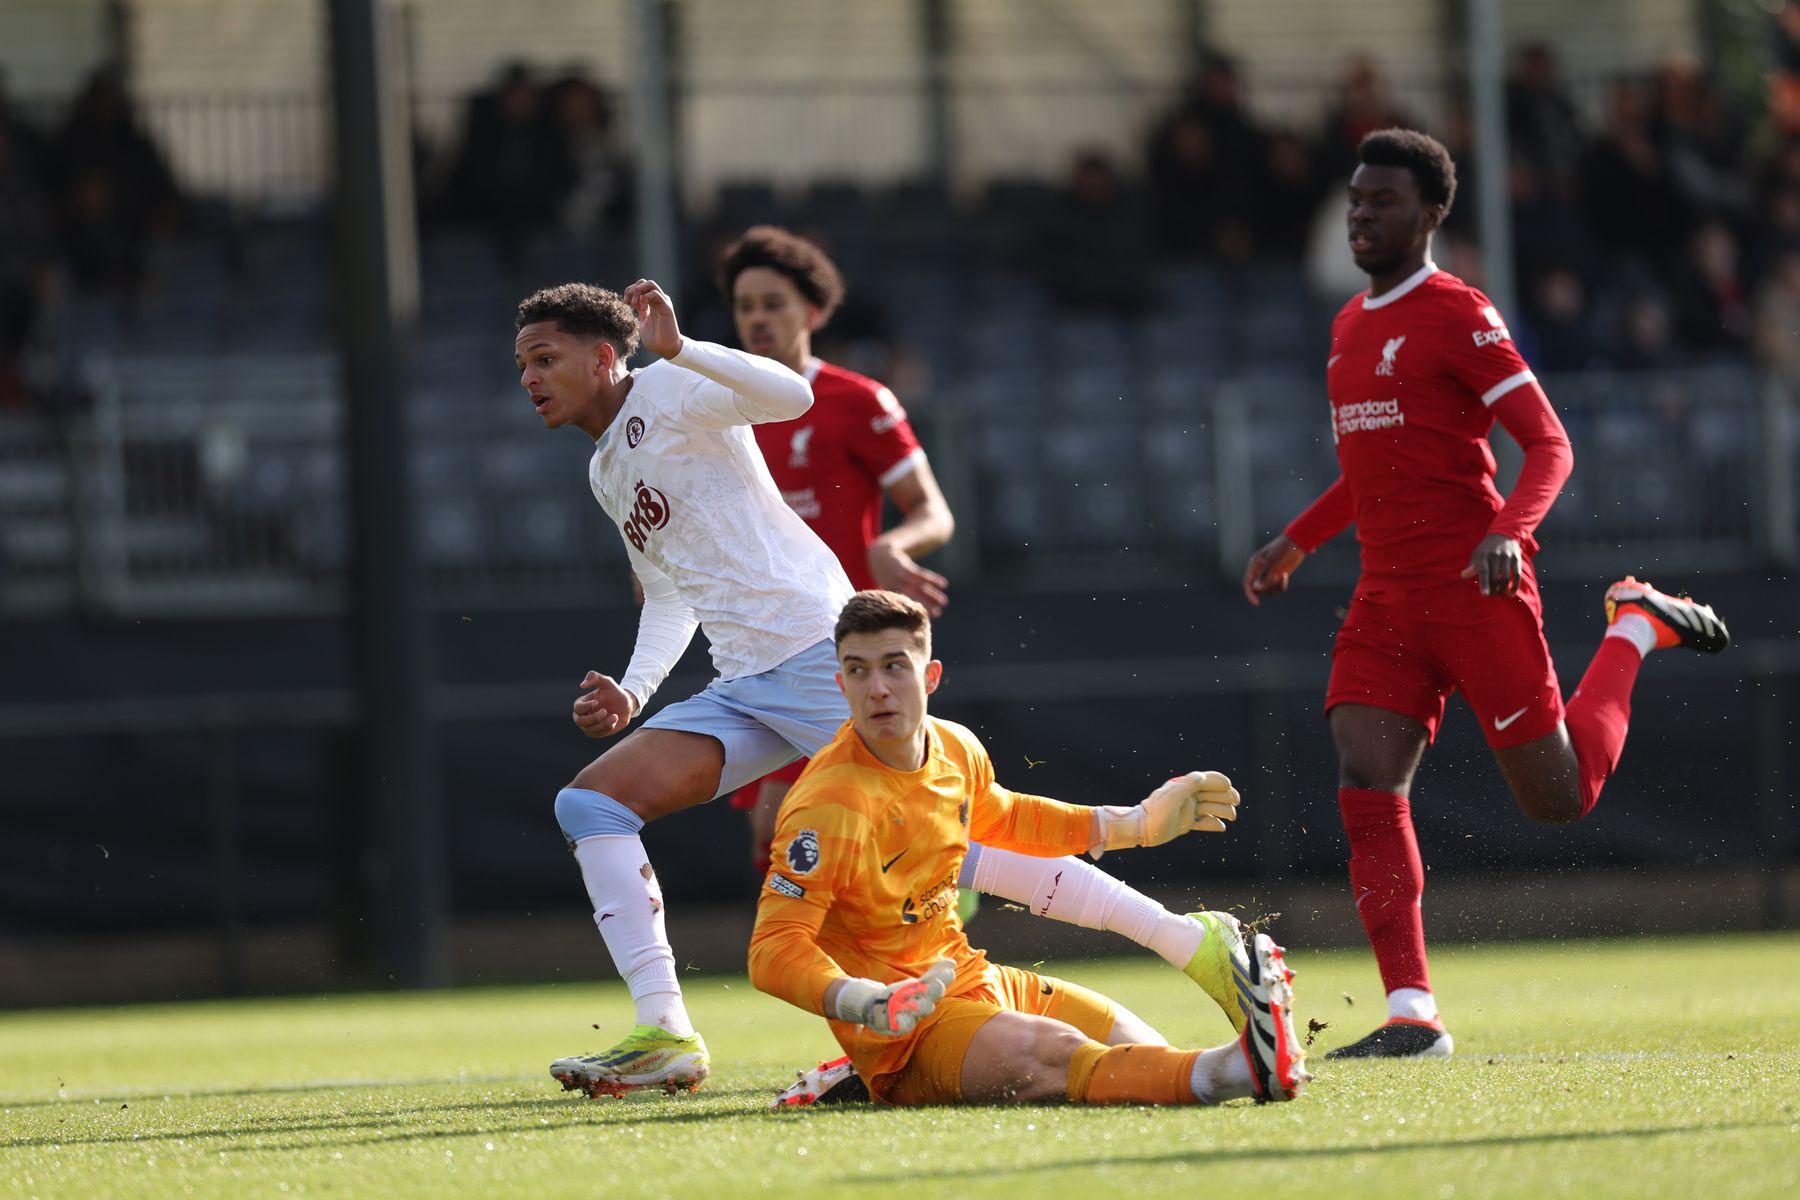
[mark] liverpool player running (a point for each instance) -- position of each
(1421, 367)
(857, 916)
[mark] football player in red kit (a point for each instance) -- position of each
(1421, 366)
(837, 464)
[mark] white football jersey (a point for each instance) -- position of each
(679, 472)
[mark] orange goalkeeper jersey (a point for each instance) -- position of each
(865, 862)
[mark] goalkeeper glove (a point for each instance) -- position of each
(1197, 800)
(892, 1009)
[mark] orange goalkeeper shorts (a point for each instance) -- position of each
(926, 1068)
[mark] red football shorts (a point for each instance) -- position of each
(745, 797)
(1407, 651)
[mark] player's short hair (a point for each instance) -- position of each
(585, 311)
(875, 610)
(800, 260)
(1430, 163)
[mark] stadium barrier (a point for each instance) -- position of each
(206, 486)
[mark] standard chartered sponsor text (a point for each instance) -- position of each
(1365, 415)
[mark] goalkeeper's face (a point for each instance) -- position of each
(886, 676)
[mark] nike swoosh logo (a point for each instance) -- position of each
(1332, 361)
(890, 862)
(1048, 990)
(1503, 722)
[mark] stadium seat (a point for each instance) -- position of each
(743, 203)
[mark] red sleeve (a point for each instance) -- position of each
(880, 438)
(1324, 518)
(1478, 348)
(1526, 414)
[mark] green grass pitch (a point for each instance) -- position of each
(1643, 1068)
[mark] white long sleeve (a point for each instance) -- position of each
(666, 625)
(755, 389)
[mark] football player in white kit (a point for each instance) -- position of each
(708, 534)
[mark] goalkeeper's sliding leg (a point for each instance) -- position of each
(1093, 1052)
(1208, 947)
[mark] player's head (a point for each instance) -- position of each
(573, 342)
(885, 666)
(781, 288)
(1399, 195)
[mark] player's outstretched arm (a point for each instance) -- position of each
(758, 389)
(1199, 800)
(1268, 570)
(890, 1009)
(658, 330)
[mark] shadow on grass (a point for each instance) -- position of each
(570, 1111)
(1287, 1153)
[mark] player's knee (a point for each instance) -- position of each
(1371, 775)
(1551, 807)
(584, 813)
(1053, 1045)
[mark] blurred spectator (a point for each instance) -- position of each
(1713, 313)
(1781, 226)
(1206, 168)
(1784, 79)
(511, 174)
(1556, 335)
(1363, 105)
(113, 189)
(27, 146)
(1215, 97)
(1541, 122)
(1701, 143)
(1777, 317)
(599, 199)
(1290, 195)
(1628, 200)
(1093, 252)
(24, 261)
(1645, 339)
(1547, 233)
(1187, 186)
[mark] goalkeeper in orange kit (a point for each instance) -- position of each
(856, 920)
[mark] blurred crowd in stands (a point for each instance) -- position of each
(1663, 233)
(79, 205)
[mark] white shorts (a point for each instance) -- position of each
(767, 720)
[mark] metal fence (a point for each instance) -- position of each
(209, 486)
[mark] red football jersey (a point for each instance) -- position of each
(833, 464)
(1413, 377)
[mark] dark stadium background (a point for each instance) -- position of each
(1121, 394)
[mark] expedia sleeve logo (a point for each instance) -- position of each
(803, 852)
(648, 514)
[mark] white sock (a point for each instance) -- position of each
(1635, 628)
(1414, 1003)
(628, 908)
(1221, 1074)
(1077, 892)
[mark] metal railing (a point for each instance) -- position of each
(206, 485)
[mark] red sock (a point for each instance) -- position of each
(1387, 878)
(1599, 713)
